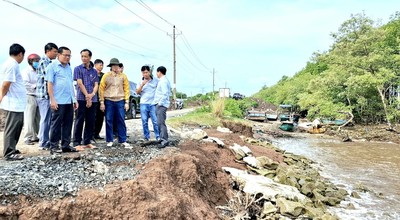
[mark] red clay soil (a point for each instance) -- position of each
(184, 184)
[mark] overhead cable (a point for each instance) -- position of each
(140, 17)
(73, 29)
(186, 42)
(100, 27)
(152, 11)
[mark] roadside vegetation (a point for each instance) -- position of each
(359, 74)
(213, 110)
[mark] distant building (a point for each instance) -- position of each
(224, 92)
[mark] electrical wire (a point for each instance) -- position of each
(73, 29)
(186, 42)
(152, 11)
(139, 16)
(104, 30)
(184, 55)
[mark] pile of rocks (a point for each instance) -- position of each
(292, 189)
(57, 176)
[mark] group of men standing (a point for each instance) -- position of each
(45, 91)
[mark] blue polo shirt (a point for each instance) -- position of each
(148, 92)
(61, 77)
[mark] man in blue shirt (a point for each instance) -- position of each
(161, 100)
(86, 92)
(62, 101)
(147, 91)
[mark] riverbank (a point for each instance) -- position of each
(185, 180)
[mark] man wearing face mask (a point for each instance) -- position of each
(31, 115)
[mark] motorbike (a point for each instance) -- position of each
(178, 104)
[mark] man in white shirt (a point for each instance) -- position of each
(32, 115)
(161, 100)
(13, 101)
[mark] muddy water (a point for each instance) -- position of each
(374, 167)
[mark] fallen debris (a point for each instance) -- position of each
(216, 140)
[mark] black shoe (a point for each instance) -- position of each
(55, 150)
(164, 144)
(29, 142)
(13, 157)
(68, 149)
(98, 137)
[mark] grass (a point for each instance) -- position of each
(218, 107)
(195, 118)
(209, 115)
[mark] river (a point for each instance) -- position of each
(372, 166)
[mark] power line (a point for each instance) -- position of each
(140, 17)
(186, 42)
(73, 29)
(99, 27)
(184, 55)
(152, 11)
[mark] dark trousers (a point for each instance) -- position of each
(61, 125)
(85, 116)
(98, 121)
(161, 113)
(12, 131)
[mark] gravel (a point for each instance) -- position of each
(57, 176)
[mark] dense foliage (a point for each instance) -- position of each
(359, 74)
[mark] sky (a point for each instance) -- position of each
(242, 45)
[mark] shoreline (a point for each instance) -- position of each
(182, 149)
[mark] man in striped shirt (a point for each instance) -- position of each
(51, 51)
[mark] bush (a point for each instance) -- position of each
(217, 107)
(232, 109)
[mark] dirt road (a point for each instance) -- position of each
(134, 129)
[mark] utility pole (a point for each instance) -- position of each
(174, 86)
(213, 80)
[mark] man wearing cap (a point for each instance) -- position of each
(13, 101)
(32, 115)
(114, 100)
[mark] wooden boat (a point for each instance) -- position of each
(272, 117)
(256, 115)
(285, 113)
(287, 126)
(337, 122)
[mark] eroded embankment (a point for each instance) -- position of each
(186, 182)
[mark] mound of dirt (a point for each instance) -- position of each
(246, 130)
(264, 106)
(186, 183)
